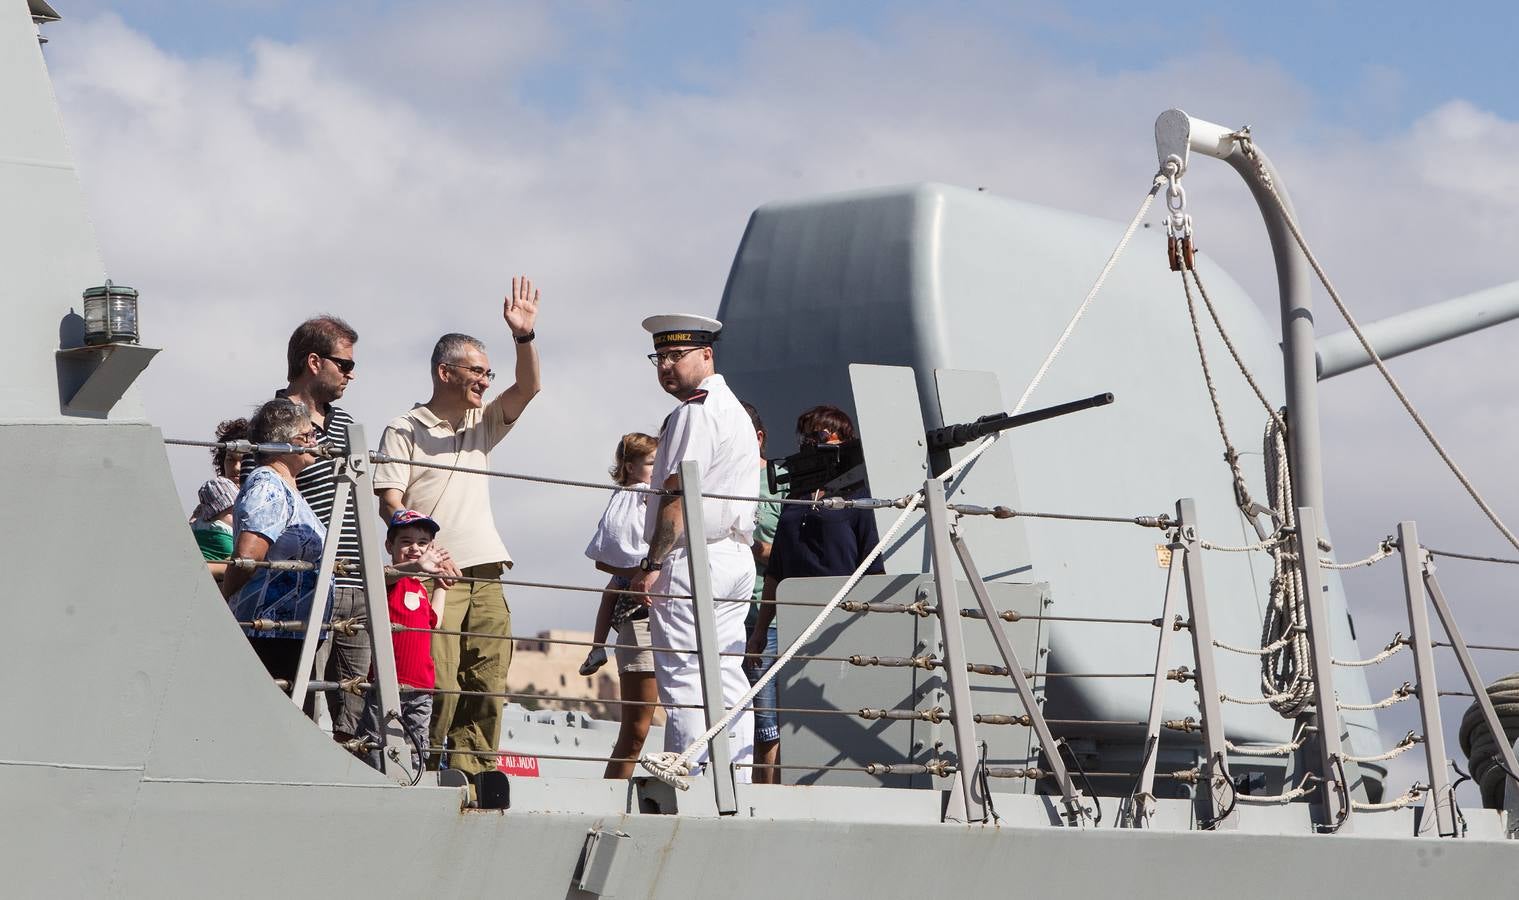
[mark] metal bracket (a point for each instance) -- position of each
(91, 379)
(597, 871)
(1176, 133)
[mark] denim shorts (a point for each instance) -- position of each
(766, 726)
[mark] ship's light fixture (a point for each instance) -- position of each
(110, 314)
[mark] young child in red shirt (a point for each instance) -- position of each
(409, 541)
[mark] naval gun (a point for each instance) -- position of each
(837, 468)
(918, 306)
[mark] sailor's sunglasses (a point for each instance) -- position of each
(344, 365)
(670, 357)
(487, 374)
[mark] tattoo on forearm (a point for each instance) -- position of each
(667, 528)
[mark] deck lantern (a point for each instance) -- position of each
(110, 314)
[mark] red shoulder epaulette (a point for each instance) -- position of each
(697, 397)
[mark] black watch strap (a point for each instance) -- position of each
(525, 338)
(649, 565)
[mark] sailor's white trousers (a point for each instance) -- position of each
(672, 623)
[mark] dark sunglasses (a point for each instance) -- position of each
(344, 365)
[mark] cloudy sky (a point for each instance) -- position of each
(251, 163)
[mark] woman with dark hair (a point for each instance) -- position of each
(811, 543)
(824, 425)
(211, 522)
(272, 522)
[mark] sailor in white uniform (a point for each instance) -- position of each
(711, 428)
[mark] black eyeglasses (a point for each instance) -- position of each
(344, 365)
(487, 374)
(670, 356)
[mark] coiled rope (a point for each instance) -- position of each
(1287, 670)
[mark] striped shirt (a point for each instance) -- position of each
(318, 483)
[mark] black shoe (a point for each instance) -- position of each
(593, 661)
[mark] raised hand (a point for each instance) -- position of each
(521, 307)
(442, 564)
(431, 560)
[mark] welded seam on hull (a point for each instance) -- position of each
(88, 767)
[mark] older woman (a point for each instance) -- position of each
(272, 522)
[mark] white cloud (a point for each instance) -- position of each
(242, 196)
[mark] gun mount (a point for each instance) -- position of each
(835, 468)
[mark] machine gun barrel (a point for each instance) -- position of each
(943, 440)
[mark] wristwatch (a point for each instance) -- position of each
(525, 338)
(649, 565)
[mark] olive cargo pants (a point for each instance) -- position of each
(472, 724)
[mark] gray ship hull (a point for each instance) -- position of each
(81, 832)
(145, 753)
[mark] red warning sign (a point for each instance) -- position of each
(526, 766)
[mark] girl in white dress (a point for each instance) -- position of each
(616, 548)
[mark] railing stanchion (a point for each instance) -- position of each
(1424, 676)
(1216, 766)
(966, 802)
(1473, 677)
(1138, 814)
(720, 752)
(1010, 660)
(356, 473)
(342, 490)
(1336, 790)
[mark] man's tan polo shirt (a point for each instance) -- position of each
(458, 501)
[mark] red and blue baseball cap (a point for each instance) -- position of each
(404, 518)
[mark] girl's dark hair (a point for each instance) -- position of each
(754, 418)
(228, 430)
(823, 418)
(633, 445)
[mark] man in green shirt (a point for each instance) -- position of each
(767, 732)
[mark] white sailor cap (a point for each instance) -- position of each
(682, 328)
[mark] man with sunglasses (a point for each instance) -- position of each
(320, 365)
(456, 427)
(711, 428)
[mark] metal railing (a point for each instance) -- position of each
(1184, 608)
